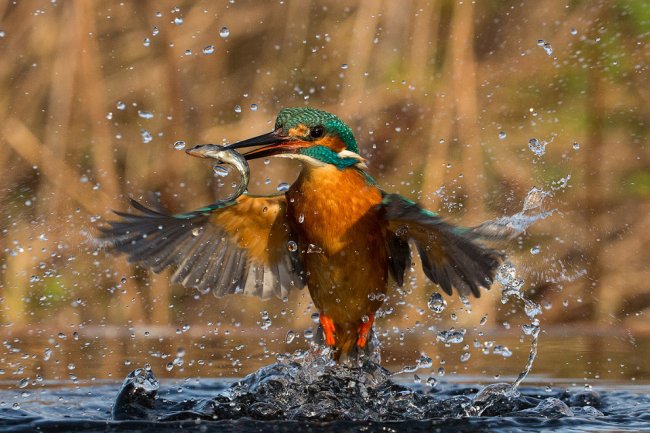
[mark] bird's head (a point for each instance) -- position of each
(312, 135)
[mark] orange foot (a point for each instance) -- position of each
(364, 331)
(328, 328)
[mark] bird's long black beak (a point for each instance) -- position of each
(274, 143)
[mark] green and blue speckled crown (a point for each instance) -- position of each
(292, 117)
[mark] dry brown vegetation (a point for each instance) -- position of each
(426, 86)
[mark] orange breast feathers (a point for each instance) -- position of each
(333, 208)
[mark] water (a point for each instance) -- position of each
(314, 396)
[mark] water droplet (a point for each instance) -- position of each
(465, 357)
(301, 218)
(574, 31)
(224, 32)
(220, 170)
(179, 145)
(432, 381)
(535, 250)
(22, 383)
(365, 319)
(315, 317)
(502, 135)
(283, 187)
(253, 107)
(292, 246)
(196, 231)
(237, 109)
(538, 147)
(155, 31)
(145, 114)
(267, 161)
(308, 334)
(169, 366)
(344, 66)
(290, 337)
(451, 336)
(83, 179)
(424, 361)
(437, 303)
(178, 21)
(146, 42)
(71, 366)
(502, 350)
(548, 48)
(146, 136)
(576, 146)
(208, 50)
(121, 105)
(2, 33)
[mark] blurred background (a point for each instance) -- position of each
(463, 106)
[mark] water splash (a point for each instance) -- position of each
(509, 227)
(315, 389)
(511, 285)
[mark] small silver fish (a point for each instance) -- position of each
(225, 156)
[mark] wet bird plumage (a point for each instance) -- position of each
(350, 237)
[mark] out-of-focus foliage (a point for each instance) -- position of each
(443, 97)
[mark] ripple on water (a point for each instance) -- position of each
(317, 396)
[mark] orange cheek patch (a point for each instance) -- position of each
(332, 142)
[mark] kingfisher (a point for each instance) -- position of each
(334, 231)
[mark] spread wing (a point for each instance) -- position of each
(235, 247)
(450, 257)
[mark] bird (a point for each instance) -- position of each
(334, 231)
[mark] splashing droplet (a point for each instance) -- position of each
(146, 136)
(503, 351)
(451, 336)
(437, 303)
(145, 114)
(538, 147)
(220, 170)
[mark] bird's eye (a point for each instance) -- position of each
(317, 131)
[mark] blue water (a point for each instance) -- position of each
(314, 397)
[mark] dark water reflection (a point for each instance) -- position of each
(69, 382)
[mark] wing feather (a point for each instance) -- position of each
(450, 257)
(239, 247)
